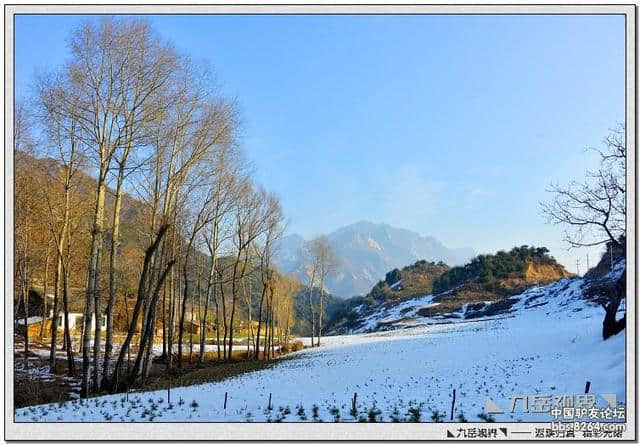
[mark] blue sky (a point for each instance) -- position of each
(451, 126)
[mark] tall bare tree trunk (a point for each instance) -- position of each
(71, 368)
(172, 304)
(313, 315)
(192, 321)
(320, 311)
(44, 296)
(113, 255)
(142, 285)
(265, 352)
(224, 320)
(215, 299)
(54, 317)
(248, 302)
(205, 317)
(234, 291)
(262, 295)
(93, 294)
(213, 250)
(164, 321)
(183, 308)
(25, 299)
(62, 240)
(273, 352)
(147, 330)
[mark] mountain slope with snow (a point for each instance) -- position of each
(548, 342)
(563, 297)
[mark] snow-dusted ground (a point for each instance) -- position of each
(401, 314)
(550, 345)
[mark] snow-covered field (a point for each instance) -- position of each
(550, 344)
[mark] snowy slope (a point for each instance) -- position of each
(549, 345)
(403, 315)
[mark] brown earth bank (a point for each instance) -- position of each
(534, 274)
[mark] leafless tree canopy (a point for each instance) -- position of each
(131, 125)
(593, 210)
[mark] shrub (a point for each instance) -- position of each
(335, 412)
(296, 346)
(437, 416)
(393, 277)
(414, 414)
(373, 414)
(486, 417)
(301, 414)
(395, 415)
(489, 269)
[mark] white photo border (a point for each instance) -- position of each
(212, 431)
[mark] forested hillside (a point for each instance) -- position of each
(133, 194)
(484, 278)
(503, 273)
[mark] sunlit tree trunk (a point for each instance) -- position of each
(54, 317)
(93, 294)
(138, 305)
(45, 291)
(113, 255)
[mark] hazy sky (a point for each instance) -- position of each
(451, 126)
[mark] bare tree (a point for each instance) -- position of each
(198, 222)
(26, 213)
(311, 267)
(58, 104)
(250, 214)
(593, 211)
(325, 259)
(128, 115)
(149, 66)
(225, 190)
(286, 288)
(273, 230)
(23, 120)
(140, 298)
(96, 70)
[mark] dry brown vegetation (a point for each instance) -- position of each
(189, 250)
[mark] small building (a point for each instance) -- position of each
(76, 321)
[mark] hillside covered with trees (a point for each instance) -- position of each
(484, 278)
(134, 203)
(503, 272)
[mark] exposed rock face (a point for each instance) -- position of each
(545, 273)
(535, 273)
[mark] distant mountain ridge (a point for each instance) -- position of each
(366, 252)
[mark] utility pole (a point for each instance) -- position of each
(578, 266)
(587, 262)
